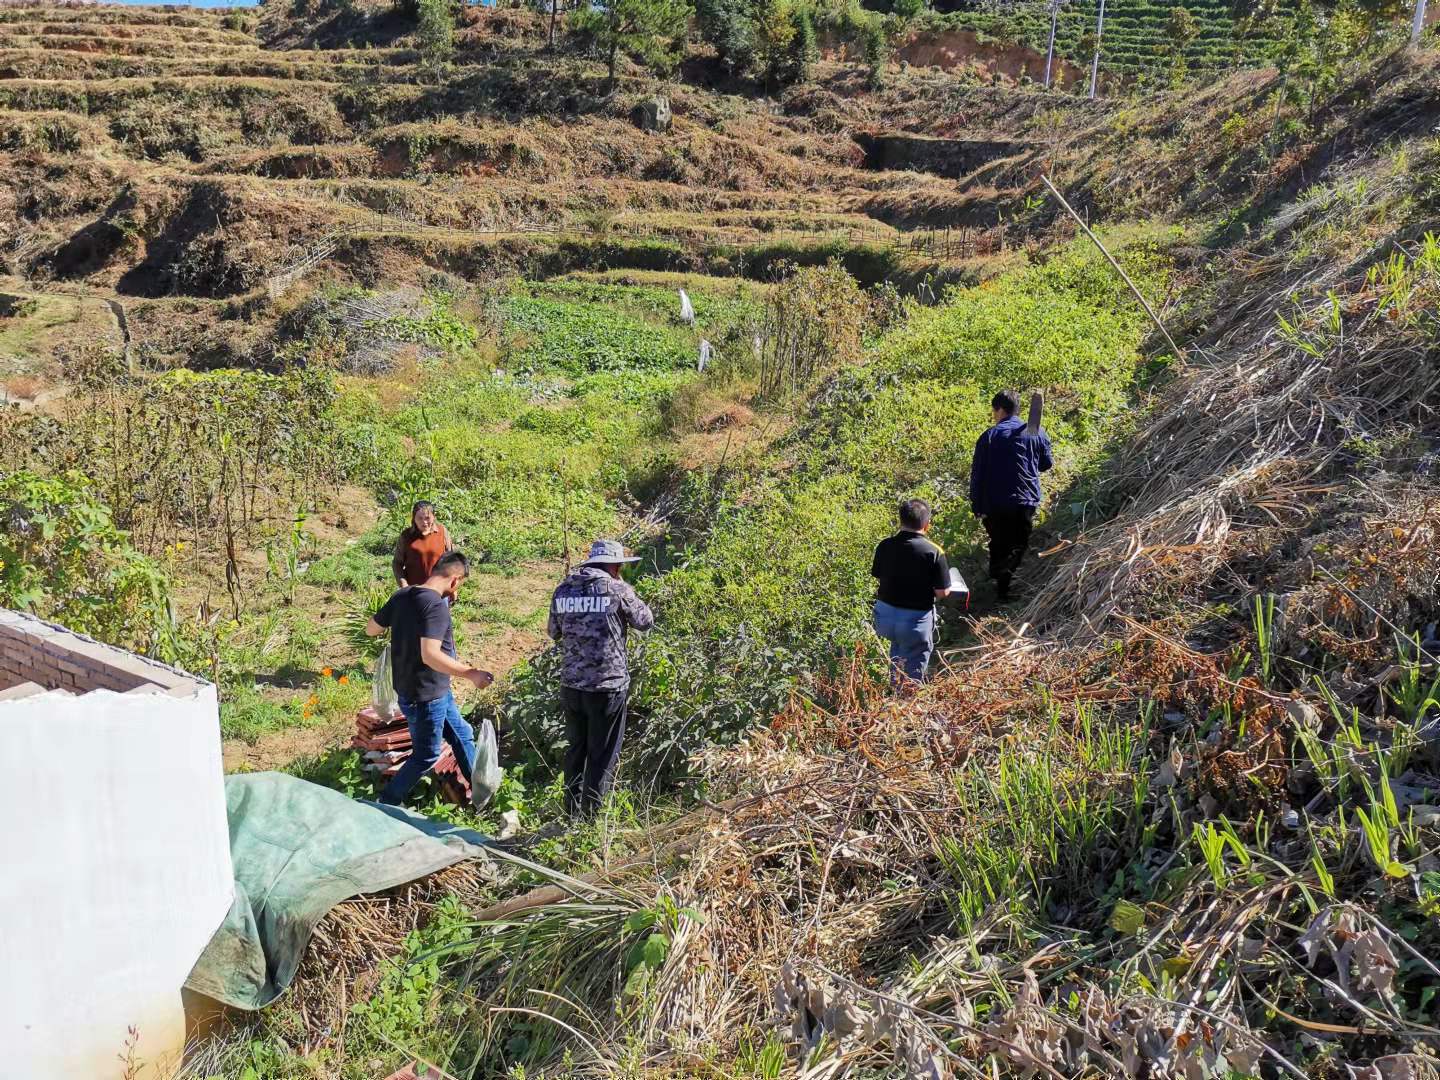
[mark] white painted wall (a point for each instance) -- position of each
(114, 872)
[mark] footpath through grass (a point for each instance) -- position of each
(771, 559)
(531, 441)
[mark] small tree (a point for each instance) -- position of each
(804, 48)
(876, 45)
(814, 323)
(774, 29)
(771, 39)
(1181, 30)
(726, 24)
(435, 32)
(650, 31)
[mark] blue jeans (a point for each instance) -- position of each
(912, 639)
(429, 722)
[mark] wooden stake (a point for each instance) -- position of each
(1179, 352)
(565, 520)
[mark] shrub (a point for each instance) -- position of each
(875, 44)
(62, 558)
(727, 26)
(770, 39)
(813, 324)
(650, 31)
(435, 32)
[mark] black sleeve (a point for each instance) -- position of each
(435, 620)
(941, 575)
(875, 561)
(386, 615)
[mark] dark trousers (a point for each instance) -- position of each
(595, 728)
(1009, 531)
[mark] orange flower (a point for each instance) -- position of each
(344, 679)
(311, 701)
(325, 672)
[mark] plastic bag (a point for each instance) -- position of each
(382, 687)
(485, 780)
(687, 310)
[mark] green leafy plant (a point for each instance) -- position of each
(62, 558)
(285, 557)
(650, 31)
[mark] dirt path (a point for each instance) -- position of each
(280, 748)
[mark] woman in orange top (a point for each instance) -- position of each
(419, 547)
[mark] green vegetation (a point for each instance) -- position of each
(1142, 38)
(435, 32)
(62, 558)
(1187, 789)
(773, 40)
(650, 31)
(768, 593)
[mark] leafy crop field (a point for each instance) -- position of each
(1137, 38)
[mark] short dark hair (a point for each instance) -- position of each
(450, 563)
(423, 504)
(1005, 400)
(914, 514)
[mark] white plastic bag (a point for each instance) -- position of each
(485, 780)
(687, 310)
(706, 351)
(382, 687)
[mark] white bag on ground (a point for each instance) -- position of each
(485, 780)
(687, 310)
(382, 687)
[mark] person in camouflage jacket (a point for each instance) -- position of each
(591, 614)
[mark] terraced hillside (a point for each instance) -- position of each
(152, 155)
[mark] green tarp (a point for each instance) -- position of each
(299, 849)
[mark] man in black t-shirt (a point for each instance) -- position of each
(913, 574)
(422, 660)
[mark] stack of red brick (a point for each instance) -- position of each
(385, 743)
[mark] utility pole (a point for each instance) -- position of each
(550, 45)
(1050, 52)
(1418, 26)
(1095, 63)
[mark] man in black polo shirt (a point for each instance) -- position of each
(422, 659)
(913, 574)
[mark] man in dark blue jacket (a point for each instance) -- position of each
(1005, 487)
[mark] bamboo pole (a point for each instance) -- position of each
(1050, 51)
(1179, 352)
(1095, 64)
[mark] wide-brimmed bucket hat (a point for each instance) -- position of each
(608, 553)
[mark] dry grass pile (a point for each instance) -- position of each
(1131, 859)
(1298, 411)
(353, 945)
